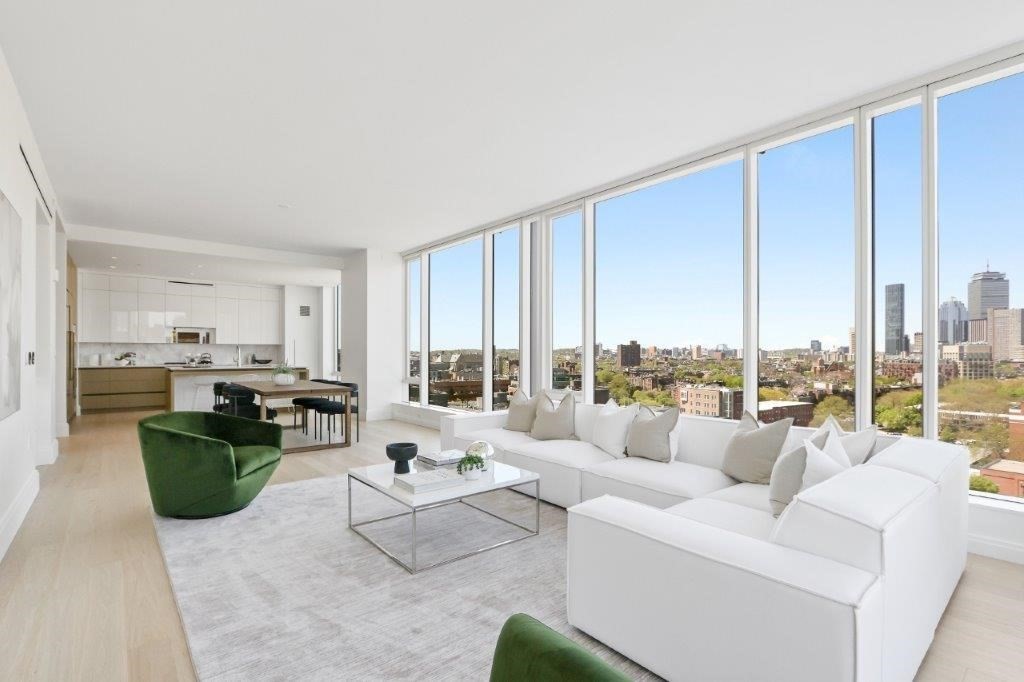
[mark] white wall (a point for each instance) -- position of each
(302, 335)
(372, 326)
(19, 481)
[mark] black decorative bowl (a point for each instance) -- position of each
(400, 454)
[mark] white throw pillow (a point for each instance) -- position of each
(788, 472)
(651, 435)
(554, 423)
(822, 463)
(521, 412)
(611, 427)
(857, 444)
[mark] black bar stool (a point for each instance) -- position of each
(305, 404)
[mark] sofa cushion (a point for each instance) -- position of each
(660, 484)
(919, 457)
(753, 449)
(584, 419)
(521, 411)
(651, 435)
(788, 472)
(858, 444)
(577, 454)
(554, 422)
(611, 428)
(823, 463)
(249, 458)
(727, 516)
(501, 439)
(560, 464)
(753, 495)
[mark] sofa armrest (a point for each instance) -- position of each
(455, 425)
(705, 603)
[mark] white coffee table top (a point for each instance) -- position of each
(497, 476)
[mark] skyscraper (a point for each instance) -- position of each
(894, 333)
(815, 346)
(1007, 333)
(987, 290)
(628, 354)
(952, 321)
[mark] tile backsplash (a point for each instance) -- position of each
(159, 353)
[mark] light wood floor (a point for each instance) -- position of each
(84, 594)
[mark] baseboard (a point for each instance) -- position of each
(63, 430)
(379, 414)
(47, 453)
(996, 548)
(15, 514)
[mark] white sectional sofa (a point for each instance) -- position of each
(688, 573)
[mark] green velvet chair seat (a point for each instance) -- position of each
(529, 650)
(249, 458)
(202, 464)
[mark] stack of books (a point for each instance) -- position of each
(440, 459)
(425, 481)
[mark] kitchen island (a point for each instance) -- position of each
(181, 382)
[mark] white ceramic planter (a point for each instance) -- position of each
(284, 379)
(472, 475)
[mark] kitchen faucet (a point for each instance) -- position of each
(238, 356)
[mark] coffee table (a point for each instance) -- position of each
(381, 477)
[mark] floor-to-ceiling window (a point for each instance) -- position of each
(455, 365)
(567, 301)
(668, 288)
(980, 198)
(896, 220)
(806, 279)
(412, 328)
(505, 315)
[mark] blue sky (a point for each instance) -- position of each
(669, 257)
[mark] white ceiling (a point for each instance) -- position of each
(388, 125)
(123, 259)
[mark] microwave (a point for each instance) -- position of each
(190, 336)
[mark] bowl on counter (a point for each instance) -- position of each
(261, 362)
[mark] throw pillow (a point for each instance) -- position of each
(611, 427)
(554, 423)
(857, 444)
(822, 463)
(752, 449)
(651, 435)
(521, 412)
(788, 473)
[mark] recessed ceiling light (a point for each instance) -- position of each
(200, 265)
(112, 267)
(113, 258)
(284, 205)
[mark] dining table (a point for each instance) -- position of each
(303, 388)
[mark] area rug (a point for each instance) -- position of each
(285, 590)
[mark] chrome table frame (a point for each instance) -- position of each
(413, 510)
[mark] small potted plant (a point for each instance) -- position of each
(481, 449)
(284, 375)
(470, 467)
(126, 359)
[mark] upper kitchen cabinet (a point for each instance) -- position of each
(124, 316)
(249, 327)
(179, 309)
(227, 320)
(271, 333)
(152, 317)
(94, 317)
(204, 312)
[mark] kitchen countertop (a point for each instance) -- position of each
(186, 368)
(222, 368)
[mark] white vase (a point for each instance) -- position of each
(472, 475)
(284, 379)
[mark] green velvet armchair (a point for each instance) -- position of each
(529, 650)
(203, 464)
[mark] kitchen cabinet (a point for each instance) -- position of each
(152, 318)
(178, 289)
(248, 293)
(178, 310)
(122, 283)
(204, 312)
(227, 320)
(148, 285)
(270, 323)
(203, 291)
(249, 328)
(94, 325)
(94, 280)
(124, 316)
